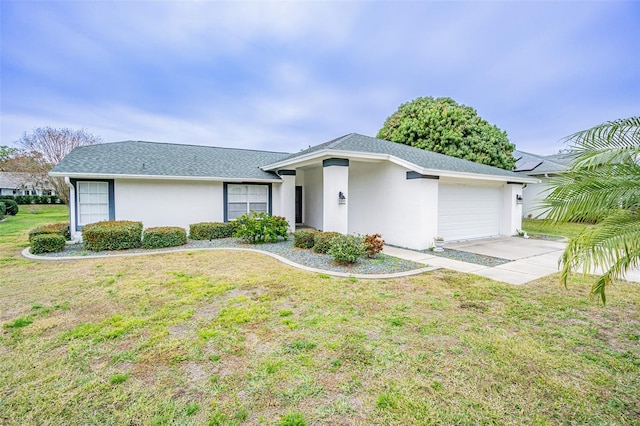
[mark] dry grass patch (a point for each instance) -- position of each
(238, 338)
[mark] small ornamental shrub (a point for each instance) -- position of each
(112, 235)
(32, 199)
(168, 236)
(11, 207)
(322, 241)
(255, 227)
(212, 230)
(373, 244)
(347, 248)
(304, 238)
(47, 243)
(54, 228)
(3, 210)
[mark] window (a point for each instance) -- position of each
(242, 199)
(93, 202)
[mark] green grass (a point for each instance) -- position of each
(545, 227)
(234, 338)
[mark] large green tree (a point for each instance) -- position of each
(444, 126)
(602, 185)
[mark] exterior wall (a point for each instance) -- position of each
(312, 195)
(532, 195)
(335, 216)
(284, 201)
(168, 203)
(382, 200)
(511, 210)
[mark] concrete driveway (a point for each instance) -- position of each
(529, 259)
(510, 248)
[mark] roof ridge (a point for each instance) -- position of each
(191, 145)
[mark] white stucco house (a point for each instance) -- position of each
(352, 184)
(21, 183)
(540, 167)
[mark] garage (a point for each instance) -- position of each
(468, 211)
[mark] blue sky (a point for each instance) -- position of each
(285, 75)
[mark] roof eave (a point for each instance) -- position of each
(160, 177)
(314, 156)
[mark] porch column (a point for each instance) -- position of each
(511, 208)
(335, 195)
(288, 197)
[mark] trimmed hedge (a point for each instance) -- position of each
(166, 236)
(3, 209)
(112, 235)
(33, 199)
(47, 243)
(212, 230)
(304, 238)
(322, 241)
(11, 207)
(54, 228)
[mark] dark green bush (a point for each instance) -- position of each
(3, 210)
(256, 227)
(212, 230)
(112, 235)
(47, 243)
(347, 248)
(304, 238)
(167, 236)
(32, 199)
(54, 228)
(322, 241)
(11, 207)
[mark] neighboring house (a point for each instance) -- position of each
(542, 168)
(19, 183)
(352, 184)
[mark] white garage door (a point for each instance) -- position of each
(466, 211)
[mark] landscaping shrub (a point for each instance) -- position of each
(304, 238)
(47, 243)
(3, 209)
(347, 248)
(168, 236)
(112, 235)
(322, 241)
(54, 228)
(32, 199)
(11, 207)
(374, 244)
(256, 227)
(212, 230)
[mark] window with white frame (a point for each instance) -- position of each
(93, 202)
(243, 198)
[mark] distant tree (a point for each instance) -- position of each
(7, 153)
(46, 147)
(601, 186)
(444, 126)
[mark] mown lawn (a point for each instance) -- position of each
(227, 338)
(545, 227)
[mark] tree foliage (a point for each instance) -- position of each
(45, 147)
(444, 126)
(601, 186)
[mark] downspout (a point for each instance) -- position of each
(75, 235)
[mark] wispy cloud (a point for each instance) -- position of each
(283, 75)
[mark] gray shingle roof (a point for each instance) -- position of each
(163, 159)
(420, 157)
(545, 164)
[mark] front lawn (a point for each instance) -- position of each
(239, 338)
(545, 227)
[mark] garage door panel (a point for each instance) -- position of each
(466, 211)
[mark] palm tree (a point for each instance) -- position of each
(601, 186)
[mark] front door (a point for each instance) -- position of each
(298, 204)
